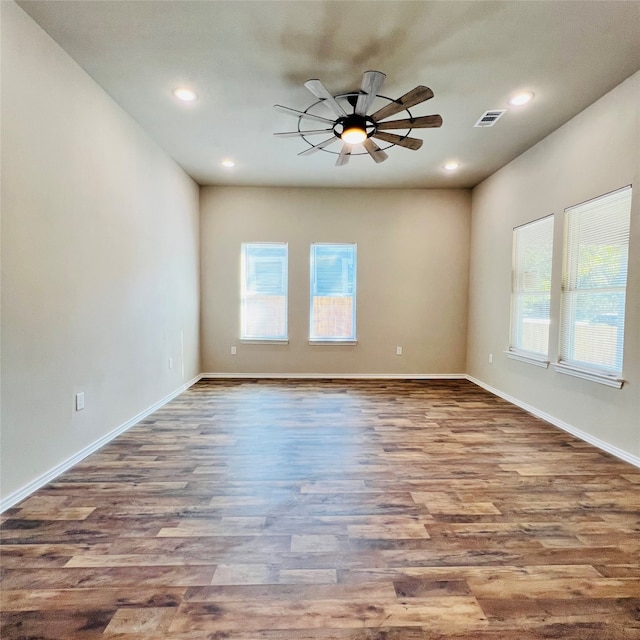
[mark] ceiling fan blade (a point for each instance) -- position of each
(423, 122)
(372, 81)
(374, 150)
(410, 99)
(293, 134)
(301, 114)
(401, 141)
(320, 91)
(317, 147)
(343, 158)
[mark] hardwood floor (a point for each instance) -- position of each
(330, 510)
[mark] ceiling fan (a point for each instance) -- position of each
(351, 124)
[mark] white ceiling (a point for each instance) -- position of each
(242, 57)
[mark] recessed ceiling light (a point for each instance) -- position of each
(451, 165)
(228, 163)
(184, 94)
(521, 98)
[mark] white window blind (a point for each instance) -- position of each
(594, 283)
(333, 292)
(531, 287)
(264, 283)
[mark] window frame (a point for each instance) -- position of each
(328, 339)
(245, 336)
(568, 363)
(522, 236)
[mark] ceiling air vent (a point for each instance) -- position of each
(489, 118)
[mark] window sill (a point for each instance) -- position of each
(538, 361)
(262, 341)
(594, 376)
(332, 343)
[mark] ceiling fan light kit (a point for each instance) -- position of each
(354, 135)
(352, 129)
(350, 123)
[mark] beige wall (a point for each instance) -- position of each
(596, 152)
(412, 277)
(99, 260)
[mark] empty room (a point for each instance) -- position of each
(320, 320)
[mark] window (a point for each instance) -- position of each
(594, 285)
(263, 307)
(531, 289)
(333, 293)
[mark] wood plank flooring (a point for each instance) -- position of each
(330, 510)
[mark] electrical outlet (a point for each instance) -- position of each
(80, 401)
(398, 351)
(491, 358)
(170, 363)
(234, 350)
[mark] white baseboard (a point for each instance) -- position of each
(338, 376)
(556, 422)
(50, 475)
